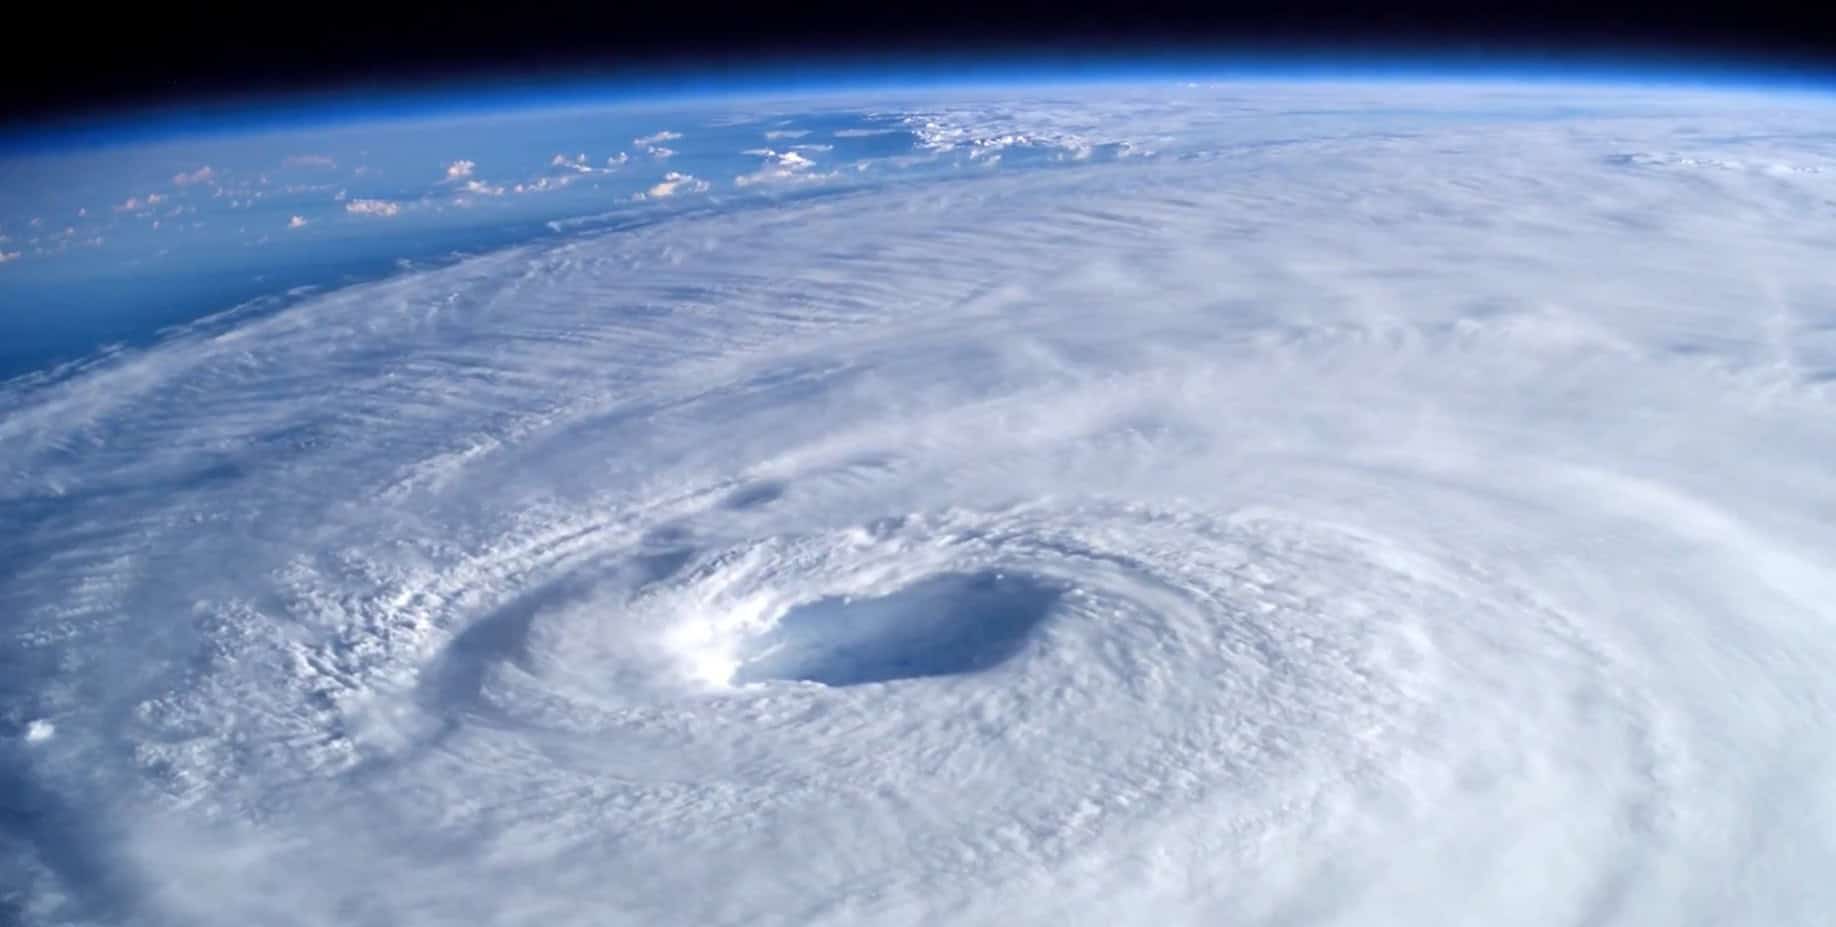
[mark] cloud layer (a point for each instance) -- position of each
(1421, 521)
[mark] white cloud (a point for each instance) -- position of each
(481, 188)
(459, 170)
(651, 141)
(1363, 524)
(576, 163)
(653, 144)
(580, 164)
(372, 208)
(198, 176)
(780, 167)
(864, 133)
(545, 184)
(40, 731)
(6, 256)
(786, 133)
(309, 161)
(297, 222)
(135, 203)
(673, 183)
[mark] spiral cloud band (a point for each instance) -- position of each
(1422, 519)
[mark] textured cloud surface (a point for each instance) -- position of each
(1424, 518)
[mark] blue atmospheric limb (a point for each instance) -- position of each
(119, 225)
(691, 82)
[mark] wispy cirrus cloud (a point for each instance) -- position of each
(656, 138)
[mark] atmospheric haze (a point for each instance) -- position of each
(1425, 518)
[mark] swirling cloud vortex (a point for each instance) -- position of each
(1427, 526)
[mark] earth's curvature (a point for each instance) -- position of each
(1236, 503)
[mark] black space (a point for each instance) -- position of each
(75, 60)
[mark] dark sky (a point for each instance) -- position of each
(67, 58)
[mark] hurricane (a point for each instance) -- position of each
(1420, 513)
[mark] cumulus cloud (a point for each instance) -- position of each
(580, 164)
(576, 163)
(201, 175)
(482, 188)
(780, 167)
(297, 222)
(546, 184)
(673, 183)
(137, 203)
(459, 170)
(369, 207)
(6, 256)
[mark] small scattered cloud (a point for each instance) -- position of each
(864, 133)
(481, 188)
(580, 164)
(651, 141)
(779, 167)
(372, 208)
(136, 203)
(653, 144)
(576, 163)
(545, 184)
(786, 133)
(673, 183)
(203, 174)
(8, 256)
(461, 169)
(309, 161)
(297, 222)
